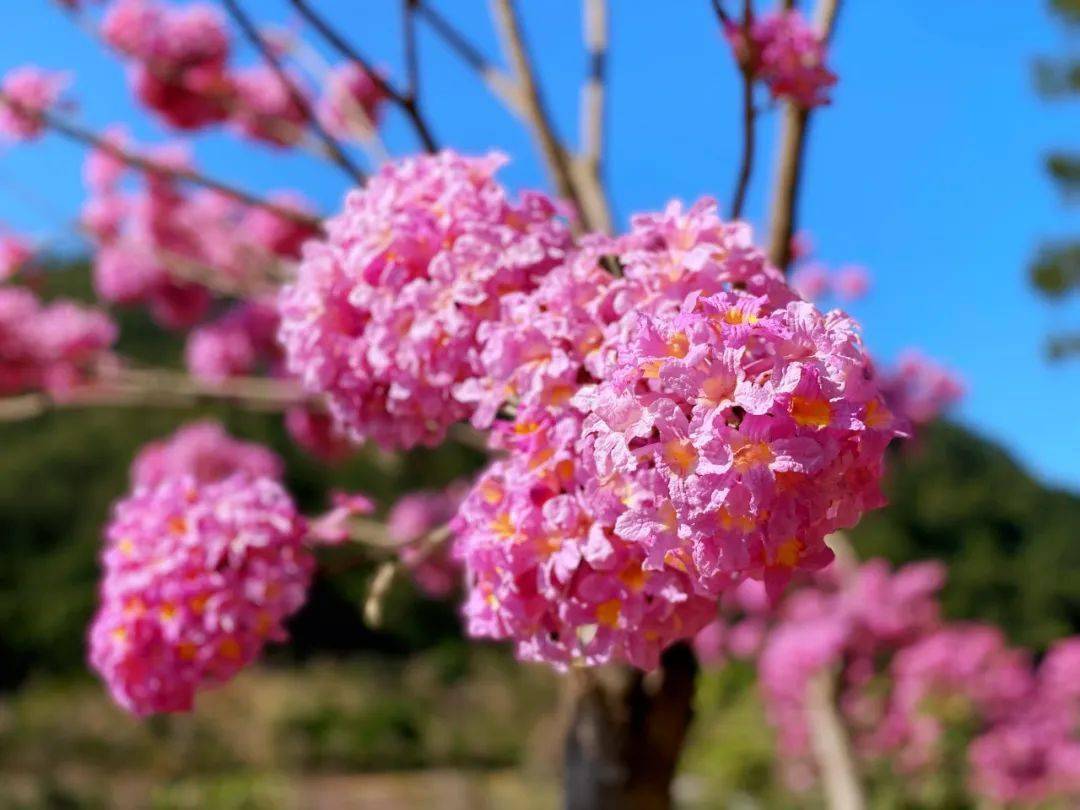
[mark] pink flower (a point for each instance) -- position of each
(205, 452)
(265, 109)
(27, 92)
(811, 281)
(919, 389)
(15, 253)
(785, 52)
(411, 519)
(332, 528)
(238, 343)
(316, 433)
(53, 347)
(351, 102)
(197, 578)
(384, 314)
(852, 282)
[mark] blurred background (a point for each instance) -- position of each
(946, 165)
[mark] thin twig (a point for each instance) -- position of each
(87, 138)
(496, 80)
(593, 112)
(831, 747)
(749, 114)
(333, 148)
(405, 101)
(158, 389)
(412, 63)
(551, 149)
(785, 199)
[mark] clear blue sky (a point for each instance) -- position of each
(926, 169)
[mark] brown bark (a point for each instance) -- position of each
(626, 731)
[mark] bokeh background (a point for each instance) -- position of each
(929, 169)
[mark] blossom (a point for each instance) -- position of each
(315, 432)
(205, 452)
(25, 93)
(852, 282)
(53, 347)
(544, 567)
(785, 52)
(351, 102)
(413, 517)
(15, 253)
(918, 389)
(238, 343)
(265, 108)
(179, 55)
(197, 578)
(811, 281)
(332, 528)
(384, 313)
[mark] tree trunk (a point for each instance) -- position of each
(626, 732)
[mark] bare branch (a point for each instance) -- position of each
(77, 133)
(789, 164)
(159, 388)
(749, 114)
(830, 745)
(405, 101)
(593, 111)
(500, 85)
(333, 149)
(551, 149)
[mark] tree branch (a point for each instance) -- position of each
(158, 389)
(593, 111)
(84, 136)
(406, 101)
(830, 744)
(749, 115)
(333, 149)
(785, 199)
(500, 85)
(551, 149)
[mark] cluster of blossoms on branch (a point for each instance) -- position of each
(679, 425)
(53, 347)
(781, 49)
(180, 69)
(914, 691)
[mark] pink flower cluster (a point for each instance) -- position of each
(240, 342)
(180, 70)
(680, 426)
(813, 281)
(919, 389)
(784, 51)
(53, 347)
(25, 93)
(205, 452)
(384, 314)
(204, 562)
(411, 520)
(198, 577)
(907, 684)
(153, 239)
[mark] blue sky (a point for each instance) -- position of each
(927, 168)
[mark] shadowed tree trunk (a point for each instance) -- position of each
(626, 731)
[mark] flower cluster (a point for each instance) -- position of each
(813, 281)
(205, 452)
(198, 577)
(156, 241)
(784, 51)
(384, 314)
(25, 93)
(241, 341)
(180, 69)
(15, 254)
(920, 390)
(545, 567)
(53, 347)
(690, 420)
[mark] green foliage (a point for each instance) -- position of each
(1064, 167)
(1056, 271)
